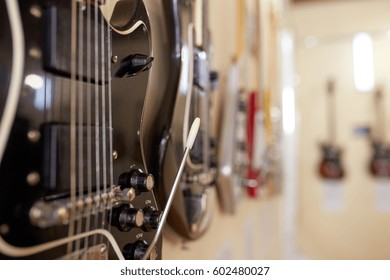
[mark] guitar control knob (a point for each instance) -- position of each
(213, 76)
(213, 79)
(152, 218)
(136, 251)
(126, 217)
(136, 179)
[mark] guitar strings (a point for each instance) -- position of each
(103, 114)
(72, 126)
(110, 145)
(97, 122)
(80, 151)
(89, 126)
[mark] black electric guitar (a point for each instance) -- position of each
(73, 180)
(330, 166)
(380, 160)
(190, 214)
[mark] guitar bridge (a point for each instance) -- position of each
(44, 214)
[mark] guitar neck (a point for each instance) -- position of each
(380, 117)
(200, 15)
(331, 113)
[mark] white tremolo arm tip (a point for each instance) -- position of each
(193, 132)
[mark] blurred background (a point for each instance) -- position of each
(320, 69)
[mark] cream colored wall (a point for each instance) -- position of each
(359, 230)
(254, 231)
(251, 233)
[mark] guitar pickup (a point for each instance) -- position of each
(57, 44)
(57, 155)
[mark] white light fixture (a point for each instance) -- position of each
(363, 65)
(287, 80)
(288, 103)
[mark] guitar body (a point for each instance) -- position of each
(189, 215)
(380, 161)
(74, 148)
(162, 87)
(330, 167)
(233, 158)
(379, 165)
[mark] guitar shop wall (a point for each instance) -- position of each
(342, 215)
(253, 230)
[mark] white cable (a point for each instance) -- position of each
(189, 63)
(189, 143)
(16, 74)
(13, 251)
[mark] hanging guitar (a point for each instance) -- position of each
(380, 160)
(190, 214)
(232, 155)
(254, 118)
(331, 167)
(73, 180)
(271, 160)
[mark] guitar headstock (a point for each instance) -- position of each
(330, 86)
